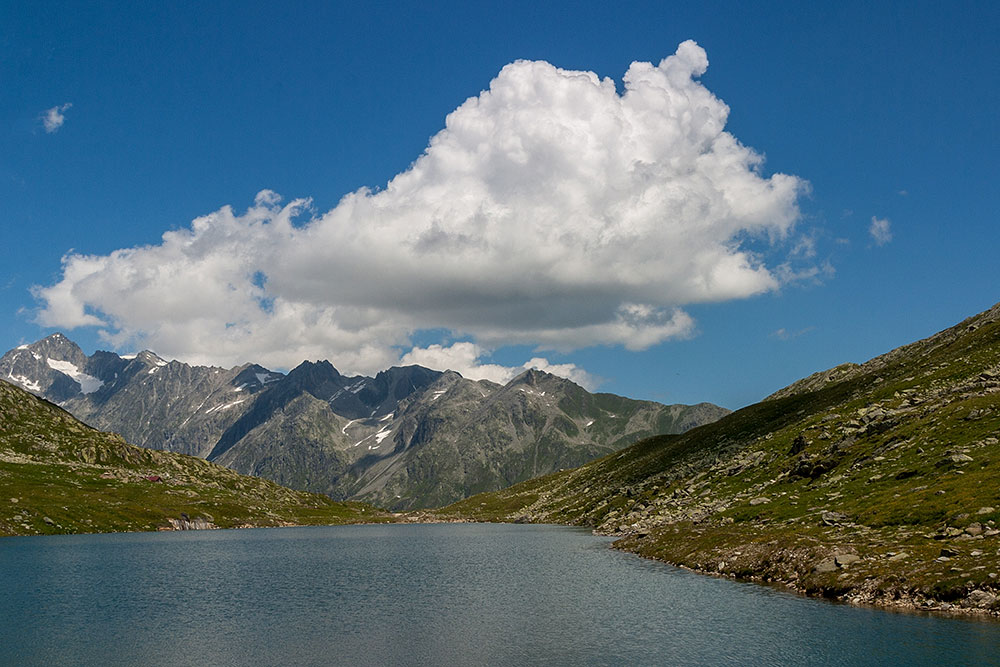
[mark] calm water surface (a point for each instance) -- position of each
(454, 594)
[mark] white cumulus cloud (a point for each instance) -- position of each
(551, 210)
(466, 359)
(53, 119)
(880, 230)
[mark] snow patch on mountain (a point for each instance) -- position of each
(264, 378)
(225, 407)
(25, 382)
(88, 383)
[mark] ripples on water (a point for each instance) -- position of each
(451, 594)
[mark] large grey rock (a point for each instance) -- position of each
(982, 599)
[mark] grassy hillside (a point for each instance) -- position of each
(874, 483)
(60, 476)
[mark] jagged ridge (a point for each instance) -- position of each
(409, 437)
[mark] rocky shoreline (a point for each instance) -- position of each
(851, 574)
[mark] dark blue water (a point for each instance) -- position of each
(424, 595)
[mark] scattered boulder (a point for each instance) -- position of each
(826, 565)
(981, 599)
(948, 532)
(812, 465)
(843, 560)
(958, 459)
(835, 562)
(832, 518)
(760, 500)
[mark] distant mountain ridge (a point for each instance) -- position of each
(408, 437)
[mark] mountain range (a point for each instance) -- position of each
(410, 437)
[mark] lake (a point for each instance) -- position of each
(445, 594)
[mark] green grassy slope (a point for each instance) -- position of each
(874, 483)
(60, 476)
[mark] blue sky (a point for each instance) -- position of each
(883, 118)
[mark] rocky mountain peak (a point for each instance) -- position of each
(529, 377)
(60, 348)
(535, 378)
(400, 381)
(150, 358)
(315, 370)
(254, 376)
(54, 367)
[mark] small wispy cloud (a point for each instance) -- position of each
(880, 230)
(54, 118)
(466, 358)
(902, 193)
(785, 334)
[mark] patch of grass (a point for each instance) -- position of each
(59, 476)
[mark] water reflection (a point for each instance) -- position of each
(434, 594)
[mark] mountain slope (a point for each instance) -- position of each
(871, 483)
(444, 440)
(409, 437)
(59, 476)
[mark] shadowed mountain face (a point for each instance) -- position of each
(409, 437)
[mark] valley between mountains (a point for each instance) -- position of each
(874, 483)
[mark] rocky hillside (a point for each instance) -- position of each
(407, 438)
(59, 476)
(871, 483)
